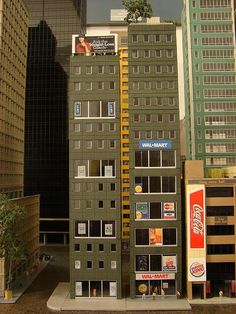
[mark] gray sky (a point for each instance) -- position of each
(99, 10)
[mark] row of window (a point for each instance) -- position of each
(85, 85)
(93, 289)
(152, 38)
(214, 3)
(92, 247)
(160, 134)
(219, 93)
(214, 16)
(220, 211)
(94, 109)
(212, 28)
(137, 85)
(154, 118)
(154, 101)
(155, 287)
(156, 262)
(215, 249)
(214, 54)
(219, 79)
(155, 210)
(221, 148)
(95, 168)
(218, 41)
(91, 264)
(217, 66)
(156, 236)
(220, 191)
(155, 68)
(220, 120)
(96, 144)
(155, 159)
(153, 184)
(220, 230)
(95, 228)
(220, 134)
(219, 107)
(98, 127)
(221, 161)
(98, 69)
(96, 204)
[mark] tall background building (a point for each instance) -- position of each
(154, 160)
(209, 43)
(13, 61)
(52, 24)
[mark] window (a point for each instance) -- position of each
(171, 117)
(88, 85)
(158, 53)
(135, 85)
(77, 86)
(145, 38)
(147, 101)
(136, 134)
(77, 70)
(154, 158)
(135, 53)
(100, 127)
(101, 69)
(94, 109)
(134, 38)
(113, 204)
(169, 53)
(147, 69)
(147, 85)
(89, 264)
(111, 69)
(136, 117)
(100, 204)
(112, 85)
(77, 247)
(158, 68)
(219, 192)
(113, 247)
(158, 37)
(156, 236)
(155, 210)
(151, 184)
(112, 144)
(100, 85)
(94, 168)
(146, 53)
(148, 118)
(135, 68)
(169, 38)
(101, 264)
(95, 228)
(148, 134)
(100, 186)
(101, 247)
(112, 126)
(113, 187)
(135, 101)
(88, 69)
(100, 144)
(89, 247)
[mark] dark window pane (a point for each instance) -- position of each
(155, 263)
(155, 184)
(142, 236)
(95, 228)
(155, 210)
(169, 236)
(154, 158)
(168, 184)
(168, 158)
(220, 210)
(219, 192)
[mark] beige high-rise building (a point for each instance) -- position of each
(13, 60)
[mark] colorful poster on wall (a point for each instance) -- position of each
(197, 269)
(138, 188)
(78, 288)
(169, 210)
(142, 210)
(142, 263)
(108, 229)
(155, 236)
(86, 44)
(169, 263)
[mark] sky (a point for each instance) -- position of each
(99, 10)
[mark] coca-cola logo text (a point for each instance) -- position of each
(198, 226)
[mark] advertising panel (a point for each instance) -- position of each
(169, 263)
(169, 210)
(196, 232)
(78, 288)
(155, 236)
(152, 144)
(142, 210)
(85, 44)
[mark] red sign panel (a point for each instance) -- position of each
(197, 220)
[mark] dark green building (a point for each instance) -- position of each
(94, 156)
(155, 205)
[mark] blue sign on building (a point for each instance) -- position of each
(161, 144)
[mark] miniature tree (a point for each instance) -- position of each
(11, 247)
(137, 9)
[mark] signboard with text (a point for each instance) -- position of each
(158, 276)
(152, 144)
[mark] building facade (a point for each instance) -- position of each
(154, 160)
(209, 43)
(52, 24)
(94, 154)
(210, 230)
(13, 58)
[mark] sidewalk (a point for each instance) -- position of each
(24, 282)
(60, 301)
(214, 300)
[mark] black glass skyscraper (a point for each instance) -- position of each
(52, 24)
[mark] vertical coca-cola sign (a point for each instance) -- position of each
(197, 219)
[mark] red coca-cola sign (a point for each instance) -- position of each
(197, 220)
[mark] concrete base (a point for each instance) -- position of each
(60, 301)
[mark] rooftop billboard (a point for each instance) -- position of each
(94, 44)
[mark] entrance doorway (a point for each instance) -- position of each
(198, 291)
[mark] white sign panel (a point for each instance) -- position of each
(112, 289)
(158, 276)
(78, 289)
(81, 228)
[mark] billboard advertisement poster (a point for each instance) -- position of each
(197, 219)
(78, 288)
(141, 210)
(108, 229)
(77, 108)
(169, 210)
(197, 269)
(155, 236)
(89, 44)
(169, 263)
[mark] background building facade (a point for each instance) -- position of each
(52, 24)
(154, 160)
(209, 43)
